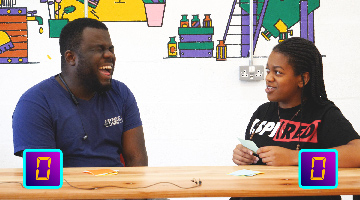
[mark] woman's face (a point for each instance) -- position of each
(282, 85)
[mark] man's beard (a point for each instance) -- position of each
(103, 88)
(90, 80)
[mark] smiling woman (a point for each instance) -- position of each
(299, 115)
(282, 84)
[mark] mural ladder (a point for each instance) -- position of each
(245, 24)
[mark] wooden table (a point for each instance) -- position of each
(276, 181)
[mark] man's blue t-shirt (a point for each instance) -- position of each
(47, 118)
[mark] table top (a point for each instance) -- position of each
(172, 182)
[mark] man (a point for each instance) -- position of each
(82, 111)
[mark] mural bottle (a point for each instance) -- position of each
(221, 51)
(172, 46)
(207, 22)
(184, 22)
(195, 22)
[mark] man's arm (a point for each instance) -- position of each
(134, 150)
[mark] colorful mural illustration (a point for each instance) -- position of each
(195, 41)
(275, 18)
(14, 20)
(14, 32)
(271, 19)
(103, 10)
(61, 12)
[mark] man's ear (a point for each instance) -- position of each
(70, 57)
(304, 77)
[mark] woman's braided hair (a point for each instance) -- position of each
(305, 57)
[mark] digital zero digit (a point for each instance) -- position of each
(37, 169)
(312, 168)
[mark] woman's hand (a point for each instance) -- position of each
(278, 156)
(243, 156)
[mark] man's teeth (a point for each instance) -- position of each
(105, 67)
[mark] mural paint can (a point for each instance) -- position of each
(207, 22)
(221, 51)
(195, 22)
(184, 22)
(172, 46)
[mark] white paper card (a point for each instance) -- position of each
(249, 144)
(245, 172)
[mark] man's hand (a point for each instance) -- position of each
(278, 156)
(243, 156)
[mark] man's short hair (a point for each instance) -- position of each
(70, 36)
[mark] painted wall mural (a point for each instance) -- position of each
(14, 32)
(14, 20)
(272, 19)
(196, 38)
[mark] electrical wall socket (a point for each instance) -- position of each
(252, 73)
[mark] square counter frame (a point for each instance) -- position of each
(24, 168)
(336, 168)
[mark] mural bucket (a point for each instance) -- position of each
(154, 14)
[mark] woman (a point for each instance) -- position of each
(299, 114)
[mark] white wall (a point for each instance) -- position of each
(192, 109)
